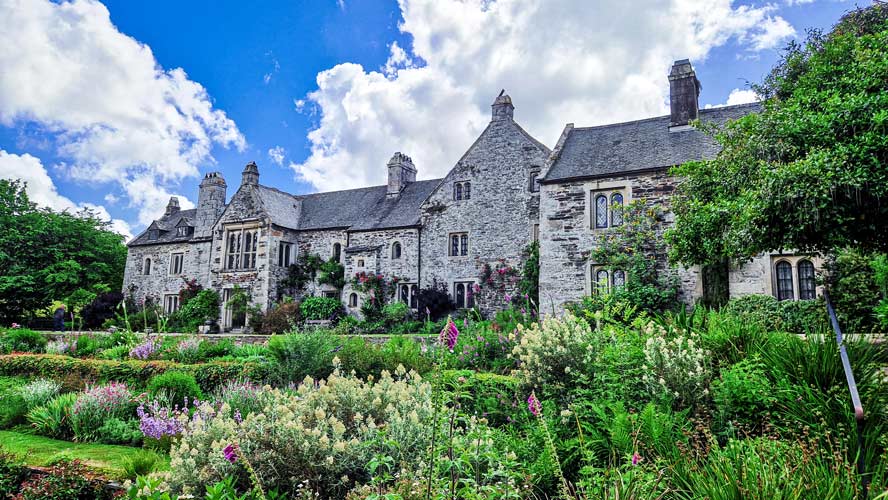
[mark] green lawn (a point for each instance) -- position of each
(39, 450)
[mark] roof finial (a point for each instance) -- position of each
(503, 91)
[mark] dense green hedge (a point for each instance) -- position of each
(133, 372)
(792, 316)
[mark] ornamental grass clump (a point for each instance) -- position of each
(96, 405)
(552, 353)
(322, 433)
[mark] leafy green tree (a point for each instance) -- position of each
(808, 172)
(47, 255)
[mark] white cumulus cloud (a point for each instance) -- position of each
(42, 191)
(115, 114)
(560, 60)
(737, 96)
(277, 155)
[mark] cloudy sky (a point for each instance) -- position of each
(116, 105)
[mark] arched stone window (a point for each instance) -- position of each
(616, 209)
(601, 211)
(337, 252)
(460, 294)
(619, 278)
(784, 280)
(396, 250)
(146, 270)
(807, 286)
(602, 281)
(405, 293)
(353, 300)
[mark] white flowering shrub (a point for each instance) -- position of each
(552, 353)
(676, 367)
(39, 391)
(319, 437)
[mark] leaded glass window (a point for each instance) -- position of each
(457, 191)
(807, 286)
(467, 190)
(619, 278)
(616, 209)
(460, 294)
(464, 244)
(784, 281)
(601, 280)
(454, 245)
(601, 211)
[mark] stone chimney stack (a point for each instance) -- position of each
(400, 173)
(684, 92)
(250, 175)
(210, 203)
(172, 206)
(502, 108)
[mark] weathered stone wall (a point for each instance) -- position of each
(498, 217)
(378, 259)
(276, 272)
(160, 282)
(320, 243)
(567, 237)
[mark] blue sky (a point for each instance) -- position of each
(368, 77)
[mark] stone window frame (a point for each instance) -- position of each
(592, 270)
(412, 299)
(243, 255)
(336, 251)
(468, 285)
(146, 266)
(285, 253)
(608, 189)
(462, 190)
(170, 303)
(397, 244)
(793, 260)
(360, 264)
(353, 301)
(533, 184)
(175, 257)
(182, 231)
(465, 244)
(534, 231)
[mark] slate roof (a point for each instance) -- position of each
(365, 209)
(281, 207)
(608, 150)
(167, 225)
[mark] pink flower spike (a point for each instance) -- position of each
(230, 453)
(636, 458)
(533, 404)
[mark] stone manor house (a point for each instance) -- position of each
(507, 190)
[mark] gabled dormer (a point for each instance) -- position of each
(185, 228)
(154, 231)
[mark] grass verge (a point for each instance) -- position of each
(39, 451)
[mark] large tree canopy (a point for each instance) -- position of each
(47, 255)
(810, 172)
